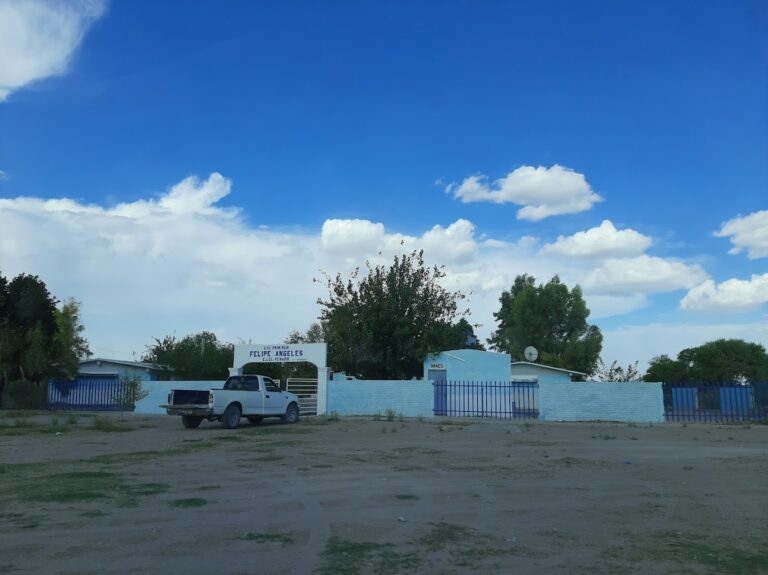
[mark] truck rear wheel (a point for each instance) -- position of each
(191, 421)
(231, 417)
(291, 414)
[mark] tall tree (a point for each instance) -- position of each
(200, 356)
(551, 318)
(383, 325)
(718, 361)
(70, 345)
(27, 329)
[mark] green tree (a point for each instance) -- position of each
(718, 361)
(460, 335)
(27, 329)
(70, 345)
(195, 357)
(551, 318)
(383, 325)
(315, 334)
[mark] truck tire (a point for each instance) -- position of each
(291, 414)
(255, 419)
(191, 421)
(231, 417)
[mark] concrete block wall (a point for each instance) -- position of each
(366, 397)
(593, 401)
(158, 393)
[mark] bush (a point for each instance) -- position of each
(25, 395)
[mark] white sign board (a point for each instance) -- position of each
(281, 353)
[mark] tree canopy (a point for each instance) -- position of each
(37, 339)
(383, 325)
(194, 357)
(551, 318)
(718, 361)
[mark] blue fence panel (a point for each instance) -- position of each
(87, 394)
(716, 402)
(504, 399)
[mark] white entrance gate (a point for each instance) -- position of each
(315, 353)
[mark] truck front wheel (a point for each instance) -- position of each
(291, 414)
(191, 421)
(231, 417)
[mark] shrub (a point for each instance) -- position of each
(25, 395)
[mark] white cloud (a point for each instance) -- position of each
(38, 38)
(456, 242)
(600, 242)
(730, 295)
(748, 233)
(3, 175)
(355, 237)
(351, 236)
(642, 274)
(543, 192)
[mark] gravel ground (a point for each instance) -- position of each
(82, 494)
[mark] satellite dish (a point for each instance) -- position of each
(531, 353)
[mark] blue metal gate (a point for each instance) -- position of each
(503, 399)
(716, 402)
(86, 394)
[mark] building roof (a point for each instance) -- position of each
(139, 364)
(541, 365)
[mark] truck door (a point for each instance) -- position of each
(274, 401)
(253, 399)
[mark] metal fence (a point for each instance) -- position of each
(716, 402)
(306, 390)
(88, 394)
(503, 399)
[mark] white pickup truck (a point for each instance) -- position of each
(252, 396)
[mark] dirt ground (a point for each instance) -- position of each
(82, 494)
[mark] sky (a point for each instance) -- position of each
(199, 165)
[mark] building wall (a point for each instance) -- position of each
(541, 373)
(470, 365)
(158, 393)
(367, 397)
(587, 401)
(122, 371)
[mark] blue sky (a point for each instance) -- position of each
(623, 146)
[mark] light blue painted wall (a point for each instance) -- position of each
(540, 372)
(470, 365)
(592, 401)
(122, 371)
(158, 393)
(410, 398)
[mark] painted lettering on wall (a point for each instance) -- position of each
(436, 366)
(275, 353)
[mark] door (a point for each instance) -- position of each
(439, 378)
(253, 398)
(274, 400)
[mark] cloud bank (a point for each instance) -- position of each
(39, 38)
(180, 262)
